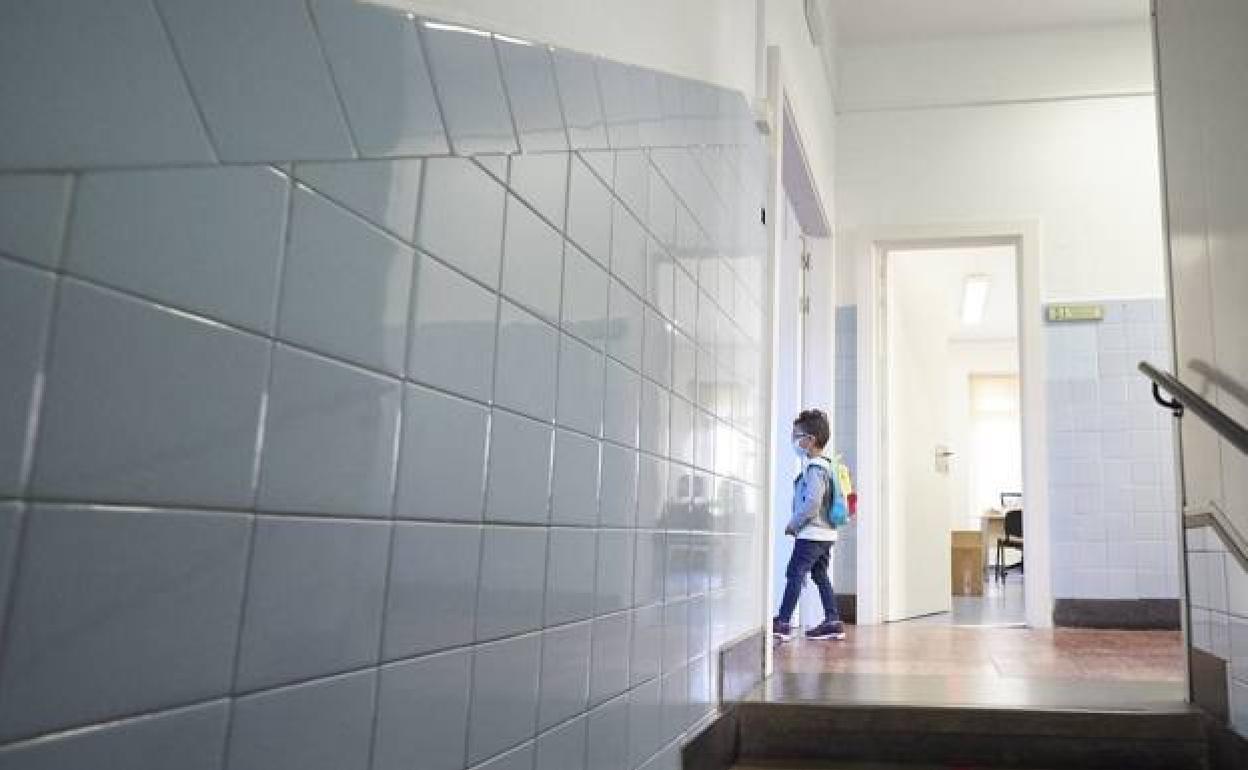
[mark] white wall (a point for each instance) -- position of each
(1203, 64)
(1079, 62)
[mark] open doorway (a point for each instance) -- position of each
(953, 436)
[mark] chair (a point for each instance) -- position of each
(1013, 539)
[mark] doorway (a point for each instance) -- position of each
(952, 436)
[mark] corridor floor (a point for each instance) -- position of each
(996, 658)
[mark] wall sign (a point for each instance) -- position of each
(1065, 312)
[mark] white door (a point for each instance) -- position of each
(917, 483)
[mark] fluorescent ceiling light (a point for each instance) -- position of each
(974, 299)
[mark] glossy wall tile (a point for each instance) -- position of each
(404, 404)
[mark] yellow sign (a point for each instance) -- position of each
(1059, 313)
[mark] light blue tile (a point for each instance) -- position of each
(383, 79)
(119, 98)
(618, 506)
(329, 438)
(657, 348)
(314, 599)
(589, 213)
(346, 286)
(645, 722)
(527, 366)
(660, 285)
(205, 240)
(529, 76)
(422, 713)
(682, 436)
(461, 217)
(653, 128)
(519, 758)
(616, 84)
(651, 492)
(684, 356)
(504, 695)
(542, 181)
(289, 110)
(451, 345)
(609, 654)
(513, 581)
(624, 340)
(442, 458)
(614, 585)
(623, 396)
(518, 485)
(584, 297)
(563, 748)
(602, 162)
(675, 628)
(565, 673)
(156, 593)
(25, 314)
(671, 104)
(656, 406)
(196, 735)
(321, 725)
(532, 261)
(432, 599)
(570, 578)
(578, 92)
(686, 302)
(33, 210)
(632, 174)
(661, 216)
(608, 736)
(675, 703)
(581, 384)
(470, 89)
(10, 522)
(628, 250)
(645, 655)
(574, 497)
(385, 192)
(175, 425)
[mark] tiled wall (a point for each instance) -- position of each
(320, 448)
(1218, 587)
(1114, 508)
(845, 439)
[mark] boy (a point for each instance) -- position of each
(817, 504)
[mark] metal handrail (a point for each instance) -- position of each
(1187, 399)
(1184, 398)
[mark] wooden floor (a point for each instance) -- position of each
(977, 653)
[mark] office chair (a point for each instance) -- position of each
(1013, 539)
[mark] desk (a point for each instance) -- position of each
(992, 525)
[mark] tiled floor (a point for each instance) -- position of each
(1002, 604)
(991, 653)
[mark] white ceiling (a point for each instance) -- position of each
(882, 22)
(936, 277)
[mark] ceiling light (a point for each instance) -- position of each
(974, 299)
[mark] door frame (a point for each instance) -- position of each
(868, 247)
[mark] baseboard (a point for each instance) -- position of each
(1131, 614)
(847, 605)
(741, 665)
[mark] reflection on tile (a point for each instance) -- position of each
(615, 80)
(120, 98)
(624, 341)
(451, 345)
(532, 261)
(622, 403)
(432, 597)
(385, 192)
(470, 89)
(25, 315)
(176, 424)
(321, 725)
(172, 641)
(329, 438)
(32, 216)
(289, 109)
(580, 387)
(314, 599)
(443, 438)
(533, 94)
(528, 349)
(383, 80)
(578, 91)
(346, 286)
(422, 713)
(589, 213)
(461, 217)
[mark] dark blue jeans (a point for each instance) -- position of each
(809, 556)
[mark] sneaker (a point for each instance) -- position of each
(781, 630)
(828, 629)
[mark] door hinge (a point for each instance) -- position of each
(806, 260)
(803, 305)
(763, 214)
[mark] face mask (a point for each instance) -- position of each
(797, 448)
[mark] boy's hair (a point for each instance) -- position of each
(813, 422)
